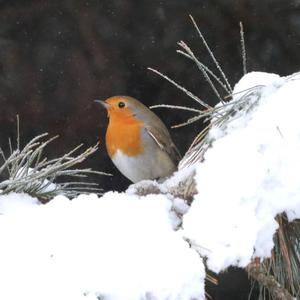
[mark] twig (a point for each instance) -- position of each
(268, 281)
(185, 189)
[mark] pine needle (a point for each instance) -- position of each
(211, 54)
(29, 172)
(243, 52)
(190, 94)
(176, 107)
(209, 71)
(200, 66)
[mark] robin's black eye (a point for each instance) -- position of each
(121, 104)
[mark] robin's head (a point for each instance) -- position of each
(123, 107)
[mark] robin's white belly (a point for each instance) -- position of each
(141, 167)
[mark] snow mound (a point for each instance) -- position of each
(250, 175)
(114, 247)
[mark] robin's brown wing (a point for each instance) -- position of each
(164, 141)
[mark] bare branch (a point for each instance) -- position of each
(268, 281)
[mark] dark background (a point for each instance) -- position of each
(56, 57)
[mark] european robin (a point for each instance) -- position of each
(137, 141)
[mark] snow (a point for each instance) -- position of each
(117, 247)
(121, 246)
(14, 203)
(250, 175)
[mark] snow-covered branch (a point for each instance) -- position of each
(29, 171)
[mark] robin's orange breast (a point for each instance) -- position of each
(124, 134)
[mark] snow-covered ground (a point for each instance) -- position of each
(113, 247)
(121, 246)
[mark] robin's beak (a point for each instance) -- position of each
(103, 103)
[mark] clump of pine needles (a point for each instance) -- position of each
(27, 170)
(284, 263)
(218, 115)
(278, 276)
